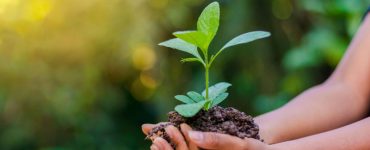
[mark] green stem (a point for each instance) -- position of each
(207, 66)
(206, 75)
(207, 82)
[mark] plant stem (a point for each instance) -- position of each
(206, 75)
(207, 82)
(207, 66)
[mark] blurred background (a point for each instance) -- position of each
(86, 74)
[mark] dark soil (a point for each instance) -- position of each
(217, 119)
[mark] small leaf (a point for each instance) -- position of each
(245, 38)
(195, 96)
(184, 99)
(189, 110)
(190, 60)
(219, 99)
(181, 45)
(216, 89)
(194, 37)
(208, 21)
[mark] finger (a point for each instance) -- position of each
(147, 127)
(162, 144)
(176, 137)
(154, 147)
(185, 131)
(209, 140)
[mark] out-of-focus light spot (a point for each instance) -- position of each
(21, 16)
(148, 81)
(39, 9)
(282, 9)
(140, 92)
(143, 57)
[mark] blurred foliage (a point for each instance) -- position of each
(86, 74)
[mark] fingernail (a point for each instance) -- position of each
(196, 136)
(153, 147)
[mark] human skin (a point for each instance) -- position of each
(341, 100)
(328, 116)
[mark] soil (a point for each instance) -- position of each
(217, 119)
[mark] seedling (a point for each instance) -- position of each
(195, 41)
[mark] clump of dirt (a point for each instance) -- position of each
(217, 119)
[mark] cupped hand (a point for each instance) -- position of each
(180, 139)
(193, 140)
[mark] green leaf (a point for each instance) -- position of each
(189, 110)
(208, 21)
(184, 99)
(216, 90)
(181, 45)
(245, 38)
(195, 96)
(190, 60)
(194, 37)
(219, 99)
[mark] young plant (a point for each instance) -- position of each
(189, 42)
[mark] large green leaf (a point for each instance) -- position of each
(245, 38)
(194, 37)
(184, 99)
(216, 90)
(181, 45)
(208, 21)
(189, 110)
(219, 99)
(195, 96)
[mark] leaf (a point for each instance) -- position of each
(189, 110)
(208, 21)
(245, 38)
(190, 60)
(219, 99)
(195, 96)
(194, 37)
(216, 90)
(184, 99)
(181, 45)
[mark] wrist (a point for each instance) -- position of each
(266, 130)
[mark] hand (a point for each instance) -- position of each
(176, 136)
(205, 140)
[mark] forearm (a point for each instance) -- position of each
(354, 136)
(340, 101)
(318, 109)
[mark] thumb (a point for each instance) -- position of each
(210, 140)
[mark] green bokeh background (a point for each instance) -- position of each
(86, 74)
